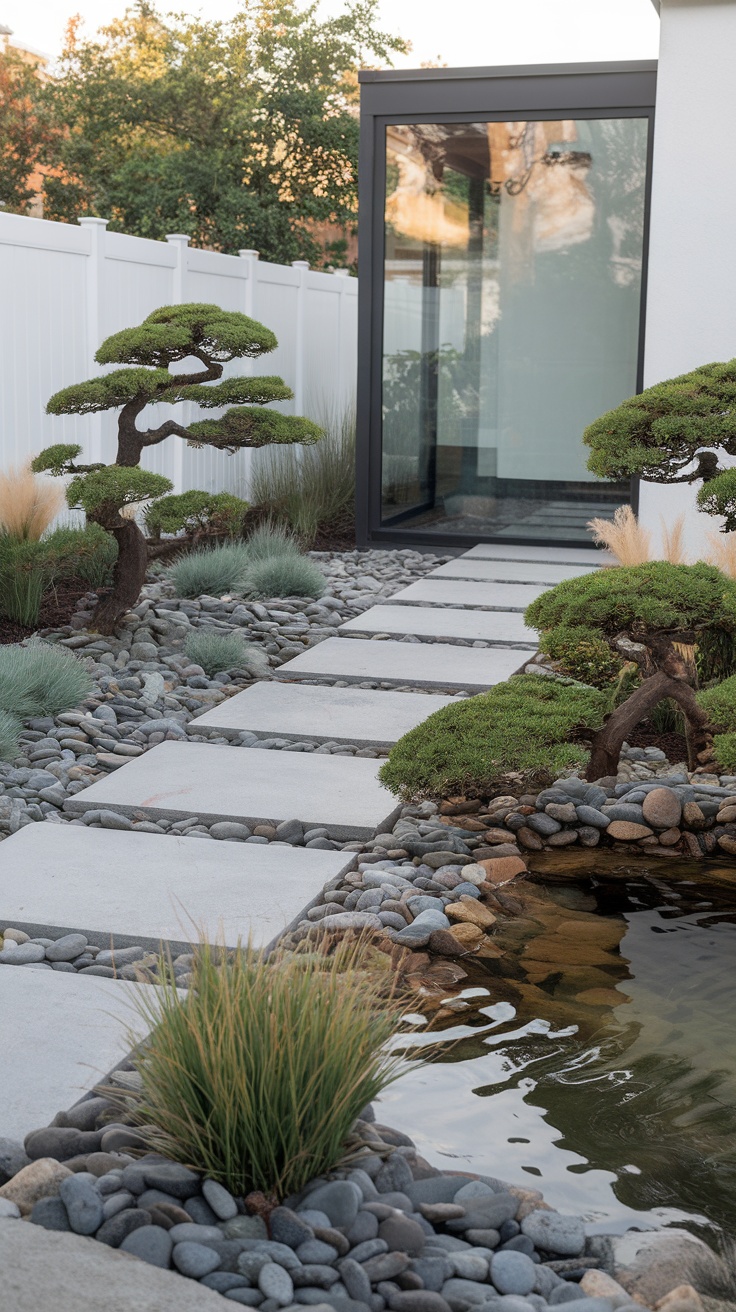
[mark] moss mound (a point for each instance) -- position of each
(529, 726)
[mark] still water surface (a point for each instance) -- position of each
(595, 1059)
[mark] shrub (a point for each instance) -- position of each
(211, 570)
(256, 1075)
(10, 729)
(28, 503)
(581, 654)
(724, 751)
(220, 651)
(720, 703)
(526, 726)
(284, 576)
(197, 514)
(641, 599)
(87, 553)
(271, 539)
(38, 679)
(313, 490)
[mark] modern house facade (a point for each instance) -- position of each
(523, 232)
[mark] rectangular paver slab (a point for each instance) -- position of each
(424, 664)
(431, 591)
(301, 712)
(547, 555)
(504, 628)
(508, 571)
(179, 779)
(60, 1034)
(150, 887)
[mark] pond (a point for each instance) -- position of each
(595, 1059)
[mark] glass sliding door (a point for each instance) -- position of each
(512, 290)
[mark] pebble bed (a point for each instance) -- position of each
(146, 691)
(392, 1232)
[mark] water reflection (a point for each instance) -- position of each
(600, 1064)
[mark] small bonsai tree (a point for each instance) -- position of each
(675, 432)
(212, 337)
(656, 615)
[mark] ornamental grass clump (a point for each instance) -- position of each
(25, 575)
(10, 731)
(38, 679)
(213, 571)
(216, 652)
(284, 576)
(28, 503)
(271, 539)
(529, 726)
(256, 1074)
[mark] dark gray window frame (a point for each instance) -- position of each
(445, 95)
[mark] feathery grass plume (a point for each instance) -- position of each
(38, 679)
(28, 503)
(256, 1075)
(10, 728)
(271, 539)
(624, 536)
(673, 541)
(221, 651)
(285, 576)
(211, 570)
(314, 488)
(722, 552)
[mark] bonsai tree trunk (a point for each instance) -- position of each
(671, 680)
(129, 574)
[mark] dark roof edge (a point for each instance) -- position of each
(503, 70)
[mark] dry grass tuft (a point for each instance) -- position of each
(673, 544)
(723, 552)
(28, 503)
(624, 536)
(256, 1075)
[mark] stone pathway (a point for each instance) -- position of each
(142, 887)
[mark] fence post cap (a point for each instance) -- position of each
(248, 255)
(90, 221)
(300, 264)
(178, 236)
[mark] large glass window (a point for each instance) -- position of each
(513, 262)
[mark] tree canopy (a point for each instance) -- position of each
(25, 132)
(241, 134)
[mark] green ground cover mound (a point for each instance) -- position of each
(530, 726)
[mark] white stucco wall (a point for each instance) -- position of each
(691, 301)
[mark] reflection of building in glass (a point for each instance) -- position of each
(512, 270)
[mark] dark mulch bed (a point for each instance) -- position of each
(672, 744)
(57, 608)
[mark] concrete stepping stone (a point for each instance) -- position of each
(176, 780)
(468, 593)
(150, 887)
(60, 1034)
(424, 664)
(546, 555)
(301, 712)
(508, 571)
(504, 628)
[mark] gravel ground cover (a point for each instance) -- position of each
(388, 1231)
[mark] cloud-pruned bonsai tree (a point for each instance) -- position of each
(675, 432)
(660, 617)
(204, 333)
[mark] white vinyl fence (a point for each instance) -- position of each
(64, 288)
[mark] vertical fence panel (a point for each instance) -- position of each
(63, 288)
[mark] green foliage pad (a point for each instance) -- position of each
(527, 726)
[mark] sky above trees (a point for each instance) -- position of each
(468, 32)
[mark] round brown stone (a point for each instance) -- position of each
(502, 869)
(662, 808)
(627, 831)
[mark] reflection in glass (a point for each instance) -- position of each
(511, 319)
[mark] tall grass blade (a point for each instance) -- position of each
(673, 541)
